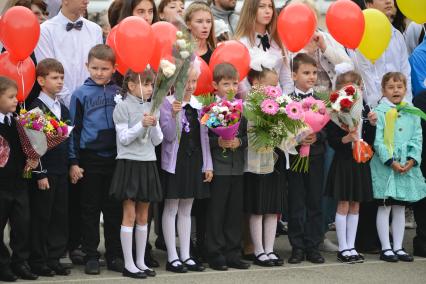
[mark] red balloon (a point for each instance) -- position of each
(296, 25)
(165, 37)
(204, 82)
(20, 32)
(233, 52)
(121, 67)
(345, 22)
(22, 72)
(134, 40)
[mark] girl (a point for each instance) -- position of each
(170, 10)
(349, 182)
(145, 9)
(200, 21)
(262, 33)
(136, 179)
(395, 170)
(188, 170)
(263, 198)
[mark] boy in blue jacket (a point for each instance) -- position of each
(92, 158)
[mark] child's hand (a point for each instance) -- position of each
(350, 137)
(43, 184)
(148, 120)
(223, 143)
(397, 167)
(75, 173)
(235, 143)
(208, 176)
(32, 163)
(408, 165)
(372, 118)
(310, 139)
(176, 107)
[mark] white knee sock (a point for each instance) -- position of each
(382, 223)
(351, 227)
(184, 228)
(256, 235)
(269, 231)
(169, 228)
(126, 237)
(398, 227)
(141, 235)
(340, 221)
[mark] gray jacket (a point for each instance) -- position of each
(229, 17)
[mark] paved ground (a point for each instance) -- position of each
(372, 271)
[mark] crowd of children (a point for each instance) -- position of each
(112, 164)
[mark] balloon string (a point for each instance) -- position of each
(22, 78)
(357, 68)
(140, 86)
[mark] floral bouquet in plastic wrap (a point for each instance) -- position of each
(38, 133)
(345, 109)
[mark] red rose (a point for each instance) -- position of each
(350, 90)
(334, 97)
(345, 104)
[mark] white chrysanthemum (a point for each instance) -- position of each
(184, 54)
(167, 68)
(179, 34)
(181, 43)
(118, 98)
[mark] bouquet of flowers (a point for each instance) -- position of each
(345, 108)
(38, 133)
(316, 117)
(4, 152)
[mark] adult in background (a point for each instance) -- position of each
(170, 10)
(225, 10)
(39, 8)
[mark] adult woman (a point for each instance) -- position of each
(145, 9)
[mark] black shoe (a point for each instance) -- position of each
(345, 258)
(160, 244)
(7, 275)
(149, 272)
(264, 263)
(92, 267)
(136, 275)
(197, 266)
(149, 259)
(77, 256)
(218, 263)
(388, 258)
(180, 268)
(405, 256)
(58, 268)
(115, 264)
(23, 271)
(314, 256)
(277, 262)
(357, 258)
(297, 256)
(42, 270)
(238, 264)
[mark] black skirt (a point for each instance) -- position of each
(264, 193)
(349, 181)
(136, 180)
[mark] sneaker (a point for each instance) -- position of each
(328, 246)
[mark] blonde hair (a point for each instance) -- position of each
(201, 6)
(247, 22)
(311, 4)
(395, 76)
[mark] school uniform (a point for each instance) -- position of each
(49, 207)
(14, 201)
(305, 192)
(225, 207)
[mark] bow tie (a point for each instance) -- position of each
(77, 25)
(304, 96)
(264, 40)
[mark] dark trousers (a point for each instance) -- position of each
(95, 199)
(74, 219)
(305, 229)
(49, 220)
(419, 241)
(225, 217)
(14, 207)
(367, 238)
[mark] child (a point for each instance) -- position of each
(395, 167)
(305, 189)
(49, 192)
(356, 186)
(136, 181)
(263, 196)
(188, 169)
(225, 208)
(14, 204)
(92, 157)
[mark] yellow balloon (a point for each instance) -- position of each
(415, 10)
(377, 34)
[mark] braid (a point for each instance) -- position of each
(125, 86)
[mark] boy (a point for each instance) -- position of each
(92, 158)
(14, 202)
(305, 189)
(49, 192)
(225, 208)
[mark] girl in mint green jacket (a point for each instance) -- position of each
(396, 176)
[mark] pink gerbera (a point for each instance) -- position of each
(294, 110)
(273, 92)
(269, 107)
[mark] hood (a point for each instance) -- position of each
(89, 82)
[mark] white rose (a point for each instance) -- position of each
(184, 54)
(181, 43)
(165, 63)
(179, 34)
(169, 71)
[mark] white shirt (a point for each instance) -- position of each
(70, 48)
(52, 104)
(394, 59)
(2, 116)
(412, 35)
